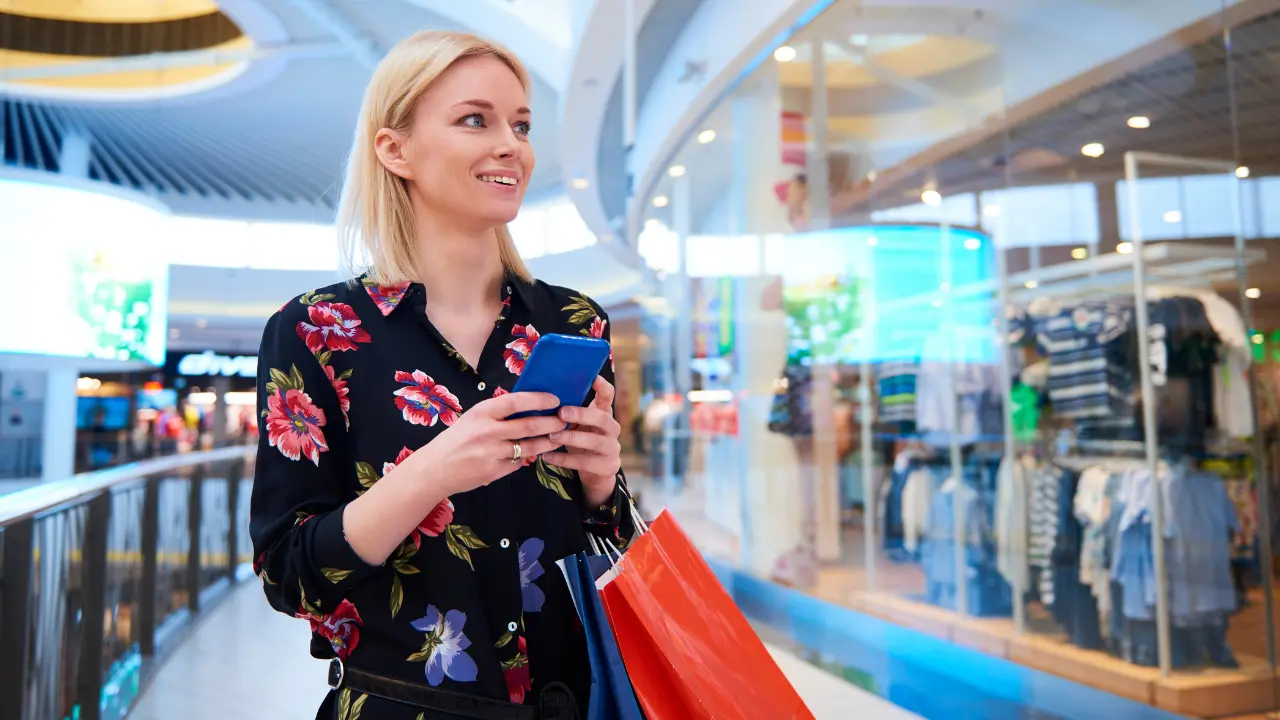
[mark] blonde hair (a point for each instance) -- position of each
(375, 215)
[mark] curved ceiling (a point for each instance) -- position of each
(258, 126)
(107, 11)
(44, 45)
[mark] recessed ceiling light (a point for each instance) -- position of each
(1173, 216)
(1139, 122)
(706, 136)
(1242, 171)
(1124, 248)
(786, 53)
(676, 171)
(991, 210)
(202, 323)
(579, 183)
(1253, 293)
(931, 198)
(1079, 253)
(660, 201)
(1031, 284)
(873, 241)
(872, 175)
(1093, 150)
(972, 243)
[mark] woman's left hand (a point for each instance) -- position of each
(591, 444)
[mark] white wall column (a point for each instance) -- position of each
(58, 456)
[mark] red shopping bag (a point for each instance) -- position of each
(688, 650)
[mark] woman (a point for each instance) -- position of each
(393, 506)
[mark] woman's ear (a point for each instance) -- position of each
(389, 146)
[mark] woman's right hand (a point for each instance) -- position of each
(479, 448)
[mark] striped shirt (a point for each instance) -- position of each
(896, 387)
(1089, 376)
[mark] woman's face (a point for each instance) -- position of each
(468, 151)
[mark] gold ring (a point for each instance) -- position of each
(516, 451)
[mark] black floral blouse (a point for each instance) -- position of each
(352, 379)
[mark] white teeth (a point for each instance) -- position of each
(500, 179)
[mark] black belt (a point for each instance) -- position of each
(556, 702)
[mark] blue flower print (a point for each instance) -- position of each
(444, 648)
(530, 569)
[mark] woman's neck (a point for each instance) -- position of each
(461, 270)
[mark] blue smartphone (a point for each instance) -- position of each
(565, 366)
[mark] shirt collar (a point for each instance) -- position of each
(390, 297)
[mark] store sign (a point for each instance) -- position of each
(210, 363)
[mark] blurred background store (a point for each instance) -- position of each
(947, 328)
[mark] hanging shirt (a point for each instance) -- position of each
(1088, 360)
(1092, 507)
(1012, 496)
(1042, 532)
(1199, 522)
(896, 391)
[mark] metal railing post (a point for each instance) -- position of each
(15, 618)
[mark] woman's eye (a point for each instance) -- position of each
(523, 128)
(475, 120)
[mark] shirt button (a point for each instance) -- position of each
(505, 543)
(481, 386)
(508, 289)
(511, 627)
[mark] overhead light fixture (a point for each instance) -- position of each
(991, 210)
(786, 53)
(1242, 172)
(1079, 253)
(676, 171)
(660, 201)
(872, 175)
(932, 198)
(1173, 216)
(706, 136)
(1124, 248)
(972, 243)
(579, 183)
(1031, 284)
(202, 323)
(1093, 150)
(873, 241)
(1139, 122)
(1253, 293)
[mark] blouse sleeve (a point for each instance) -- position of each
(299, 490)
(613, 518)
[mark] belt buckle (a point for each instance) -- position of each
(337, 671)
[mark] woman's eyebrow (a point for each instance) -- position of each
(485, 104)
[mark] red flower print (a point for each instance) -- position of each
(333, 326)
(340, 387)
(386, 297)
(598, 325)
(294, 425)
(500, 391)
(423, 401)
(341, 628)
(518, 350)
(434, 524)
(516, 671)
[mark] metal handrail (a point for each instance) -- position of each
(101, 572)
(31, 501)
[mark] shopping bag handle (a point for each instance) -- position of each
(642, 527)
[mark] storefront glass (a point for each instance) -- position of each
(984, 352)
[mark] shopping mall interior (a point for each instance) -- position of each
(934, 325)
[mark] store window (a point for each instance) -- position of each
(1001, 294)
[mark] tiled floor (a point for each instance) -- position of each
(247, 661)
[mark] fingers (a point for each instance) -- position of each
(604, 394)
(590, 464)
(504, 406)
(529, 427)
(588, 441)
(600, 420)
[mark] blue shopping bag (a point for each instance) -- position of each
(611, 695)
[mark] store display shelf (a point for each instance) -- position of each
(1211, 692)
(1180, 264)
